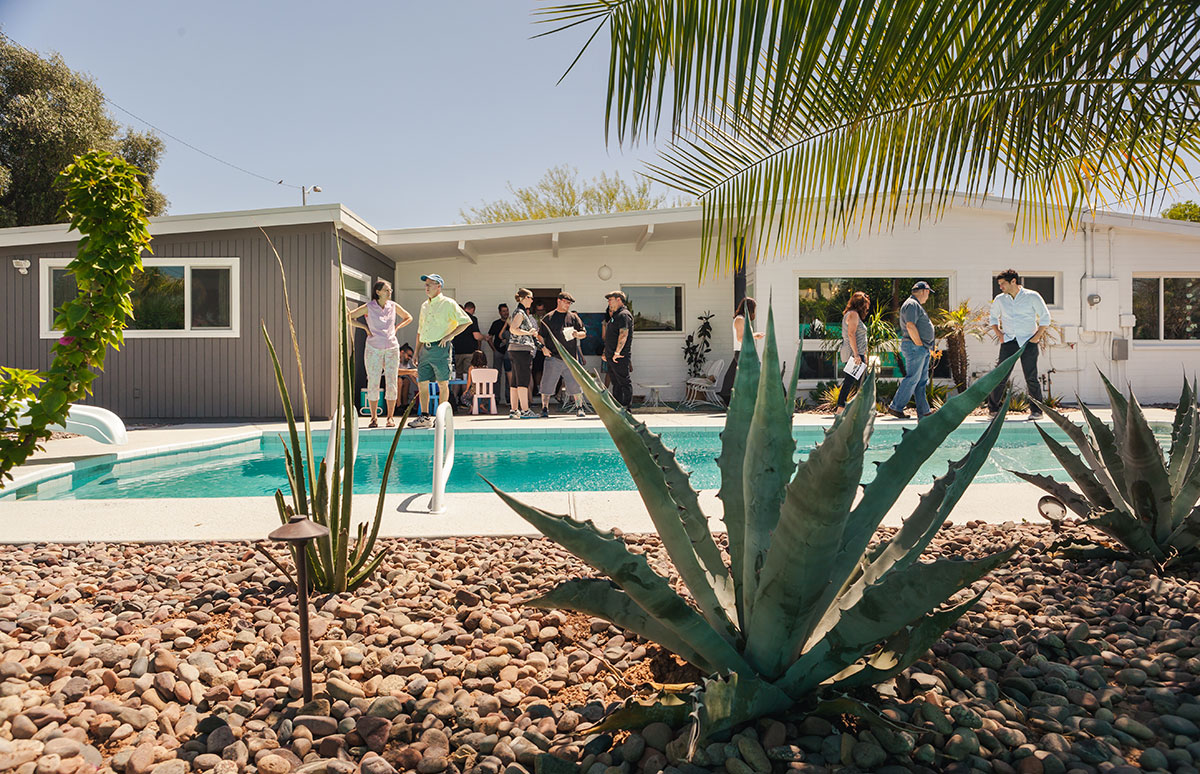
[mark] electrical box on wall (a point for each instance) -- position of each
(1101, 307)
(1120, 349)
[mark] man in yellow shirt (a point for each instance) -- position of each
(441, 320)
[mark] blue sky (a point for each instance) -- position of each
(403, 111)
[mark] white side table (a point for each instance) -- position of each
(655, 397)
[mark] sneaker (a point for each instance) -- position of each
(529, 414)
(514, 414)
(1035, 415)
(897, 414)
(545, 413)
(422, 421)
(579, 412)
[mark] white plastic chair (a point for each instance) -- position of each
(705, 388)
(483, 387)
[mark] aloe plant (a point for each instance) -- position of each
(324, 492)
(1127, 489)
(804, 606)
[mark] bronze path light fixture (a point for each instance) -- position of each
(299, 531)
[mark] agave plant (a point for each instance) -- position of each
(804, 605)
(1127, 489)
(324, 491)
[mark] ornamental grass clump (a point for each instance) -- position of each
(1127, 489)
(804, 607)
(324, 490)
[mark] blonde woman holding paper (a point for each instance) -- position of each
(854, 345)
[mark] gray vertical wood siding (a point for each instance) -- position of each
(207, 379)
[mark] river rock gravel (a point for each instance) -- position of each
(176, 658)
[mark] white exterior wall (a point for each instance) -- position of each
(657, 357)
(969, 245)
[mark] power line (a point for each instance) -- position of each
(168, 134)
(199, 150)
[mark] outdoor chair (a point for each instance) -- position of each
(705, 388)
(483, 387)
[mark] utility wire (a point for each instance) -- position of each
(168, 134)
(199, 150)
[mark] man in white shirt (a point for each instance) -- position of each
(1019, 316)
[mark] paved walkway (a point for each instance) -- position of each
(405, 515)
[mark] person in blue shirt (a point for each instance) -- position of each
(916, 345)
(1019, 316)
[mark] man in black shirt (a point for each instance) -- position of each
(464, 345)
(497, 339)
(618, 342)
(567, 329)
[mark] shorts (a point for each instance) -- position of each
(551, 371)
(435, 363)
(522, 368)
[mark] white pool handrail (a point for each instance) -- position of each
(443, 455)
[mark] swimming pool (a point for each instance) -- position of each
(517, 460)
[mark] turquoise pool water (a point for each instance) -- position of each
(517, 460)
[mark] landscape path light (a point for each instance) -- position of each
(299, 531)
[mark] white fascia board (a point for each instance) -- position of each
(210, 221)
(548, 226)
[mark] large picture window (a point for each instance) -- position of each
(655, 307)
(1166, 308)
(822, 300)
(172, 297)
(1046, 286)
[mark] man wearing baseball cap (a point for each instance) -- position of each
(916, 346)
(618, 340)
(441, 320)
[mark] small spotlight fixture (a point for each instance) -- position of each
(305, 191)
(21, 265)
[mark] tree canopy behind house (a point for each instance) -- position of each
(49, 114)
(1188, 210)
(562, 193)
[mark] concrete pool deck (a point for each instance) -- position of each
(405, 514)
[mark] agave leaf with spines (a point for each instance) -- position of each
(803, 567)
(1144, 501)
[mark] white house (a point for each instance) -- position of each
(1125, 290)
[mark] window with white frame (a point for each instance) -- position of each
(172, 297)
(1046, 286)
(357, 285)
(821, 301)
(655, 308)
(1167, 308)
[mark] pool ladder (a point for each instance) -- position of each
(443, 455)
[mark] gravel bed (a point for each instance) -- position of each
(171, 658)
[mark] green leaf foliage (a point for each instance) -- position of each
(813, 609)
(1127, 488)
(104, 203)
(806, 122)
(51, 115)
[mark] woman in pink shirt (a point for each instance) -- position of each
(383, 317)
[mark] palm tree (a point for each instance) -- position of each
(955, 325)
(802, 121)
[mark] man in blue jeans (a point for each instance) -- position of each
(915, 347)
